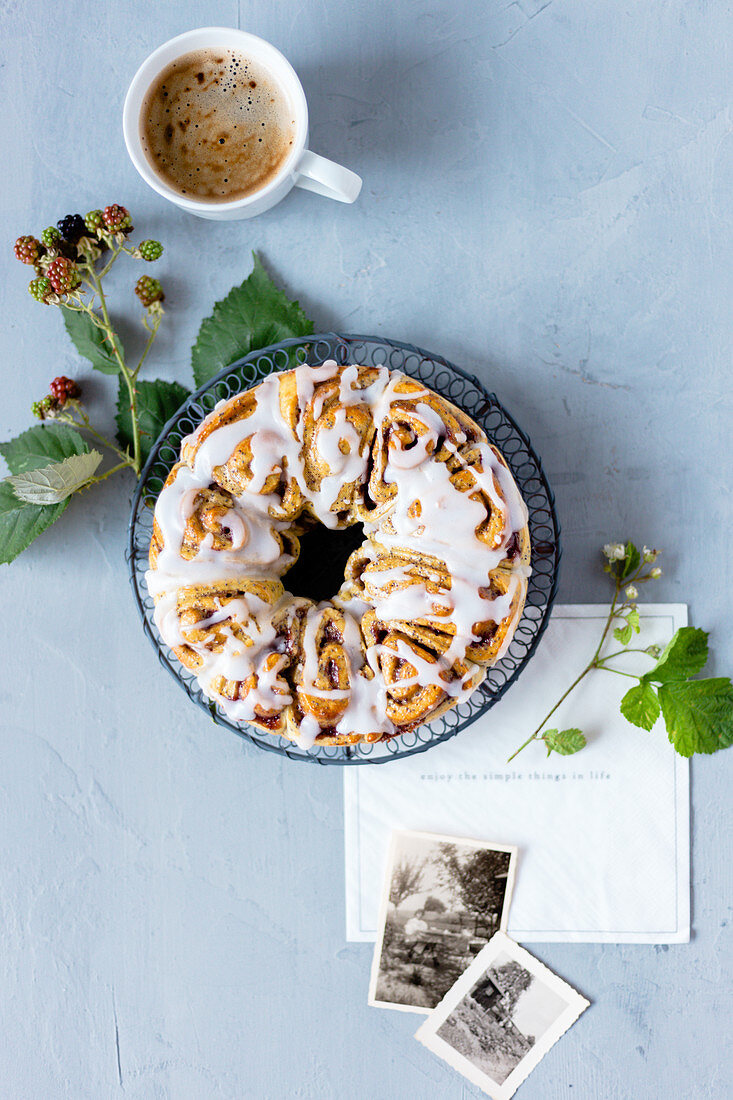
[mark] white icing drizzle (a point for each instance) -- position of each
(307, 732)
(259, 547)
(366, 696)
(427, 514)
(343, 466)
(237, 660)
(443, 525)
(396, 594)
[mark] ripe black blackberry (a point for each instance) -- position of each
(72, 227)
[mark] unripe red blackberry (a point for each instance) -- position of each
(149, 290)
(64, 389)
(116, 218)
(27, 249)
(63, 275)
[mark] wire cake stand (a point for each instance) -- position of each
(466, 392)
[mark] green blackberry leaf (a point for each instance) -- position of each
(53, 483)
(156, 403)
(565, 742)
(622, 634)
(41, 445)
(252, 316)
(21, 523)
(89, 341)
(698, 714)
(685, 655)
(640, 706)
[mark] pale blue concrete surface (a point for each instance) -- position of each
(547, 201)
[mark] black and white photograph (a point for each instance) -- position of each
(501, 1017)
(443, 899)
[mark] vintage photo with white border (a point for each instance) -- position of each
(443, 898)
(501, 1017)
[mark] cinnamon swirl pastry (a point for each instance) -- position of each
(429, 601)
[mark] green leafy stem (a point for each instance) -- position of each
(110, 347)
(697, 713)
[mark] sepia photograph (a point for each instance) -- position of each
(443, 899)
(501, 1017)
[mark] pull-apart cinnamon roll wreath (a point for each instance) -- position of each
(430, 599)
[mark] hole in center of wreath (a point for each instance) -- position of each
(319, 571)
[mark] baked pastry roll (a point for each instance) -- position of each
(429, 601)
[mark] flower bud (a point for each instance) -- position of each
(631, 592)
(656, 572)
(614, 551)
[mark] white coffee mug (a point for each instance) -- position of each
(302, 168)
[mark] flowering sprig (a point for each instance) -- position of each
(698, 714)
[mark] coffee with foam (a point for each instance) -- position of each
(215, 126)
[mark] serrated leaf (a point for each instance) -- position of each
(633, 619)
(54, 483)
(21, 523)
(685, 655)
(622, 634)
(698, 714)
(565, 742)
(40, 445)
(631, 562)
(640, 706)
(156, 403)
(252, 316)
(90, 341)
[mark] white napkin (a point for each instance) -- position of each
(603, 836)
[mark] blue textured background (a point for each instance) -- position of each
(547, 201)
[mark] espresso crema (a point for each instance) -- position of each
(216, 126)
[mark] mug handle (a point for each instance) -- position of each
(325, 177)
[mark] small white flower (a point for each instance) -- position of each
(649, 555)
(656, 572)
(631, 592)
(614, 551)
